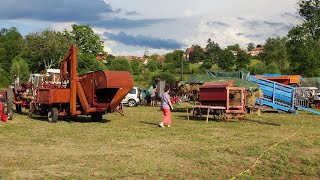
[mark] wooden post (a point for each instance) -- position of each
(208, 114)
(188, 112)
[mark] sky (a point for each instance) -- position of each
(132, 27)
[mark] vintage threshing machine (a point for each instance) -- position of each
(94, 93)
(221, 100)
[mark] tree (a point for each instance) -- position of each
(20, 68)
(207, 64)
(258, 67)
(303, 43)
(273, 68)
(251, 46)
(136, 67)
(120, 64)
(11, 43)
(242, 58)
(169, 67)
(227, 60)
(197, 54)
(309, 10)
(5, 79)
(173, 61)
(213, 52)
(275, 51)
(154, 56)
(86, 39)
(46, 49)
(168, 77)
(88, 62)
(152, 65)
(110, 57)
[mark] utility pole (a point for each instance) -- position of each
(181, 61)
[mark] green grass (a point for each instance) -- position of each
(134, 147)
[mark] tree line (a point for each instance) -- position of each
(297, 53)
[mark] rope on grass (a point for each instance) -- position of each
(275, 145)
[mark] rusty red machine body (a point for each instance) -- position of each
(94, 93)
(5, 106)
(222, 99)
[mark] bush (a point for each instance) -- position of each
(120, 64)
(166, 76)
(87, 62)
(194, 69)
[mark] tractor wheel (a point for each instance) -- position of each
(96, 117)
(132, 103)
(53, 115)
(10, 103)
(18, 108)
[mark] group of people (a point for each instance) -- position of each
(146, 96)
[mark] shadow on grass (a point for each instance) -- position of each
(261, 122)
(83, 119)
(149, 123)
(204, 118)
(78, 119)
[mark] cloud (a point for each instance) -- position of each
(217, 23)
(254, 36)
(54, 10)
(132, 13)
(125, 23)
(94, 12)
(144, 41)
(254, 24)
(290, 15)
(182, 23)
(240, 34)
(241, 19)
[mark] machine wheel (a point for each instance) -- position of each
(53, 115)
(18, 108)
(132, 103)
(10, 103)
(96, 117)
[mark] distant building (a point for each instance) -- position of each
(102, 58)
(144, 59)
(188, 53)
(235, 53)
(256, 51)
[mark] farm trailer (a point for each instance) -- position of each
(221, 100)
(279, 96)
(93, 94)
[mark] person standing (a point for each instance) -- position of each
(166, 107)
(142, 97)
(153, 96)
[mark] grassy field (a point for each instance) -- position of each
(134, 147)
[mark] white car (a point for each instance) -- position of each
(132, 98)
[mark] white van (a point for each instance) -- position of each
(132, 98)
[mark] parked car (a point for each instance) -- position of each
(132, 98)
